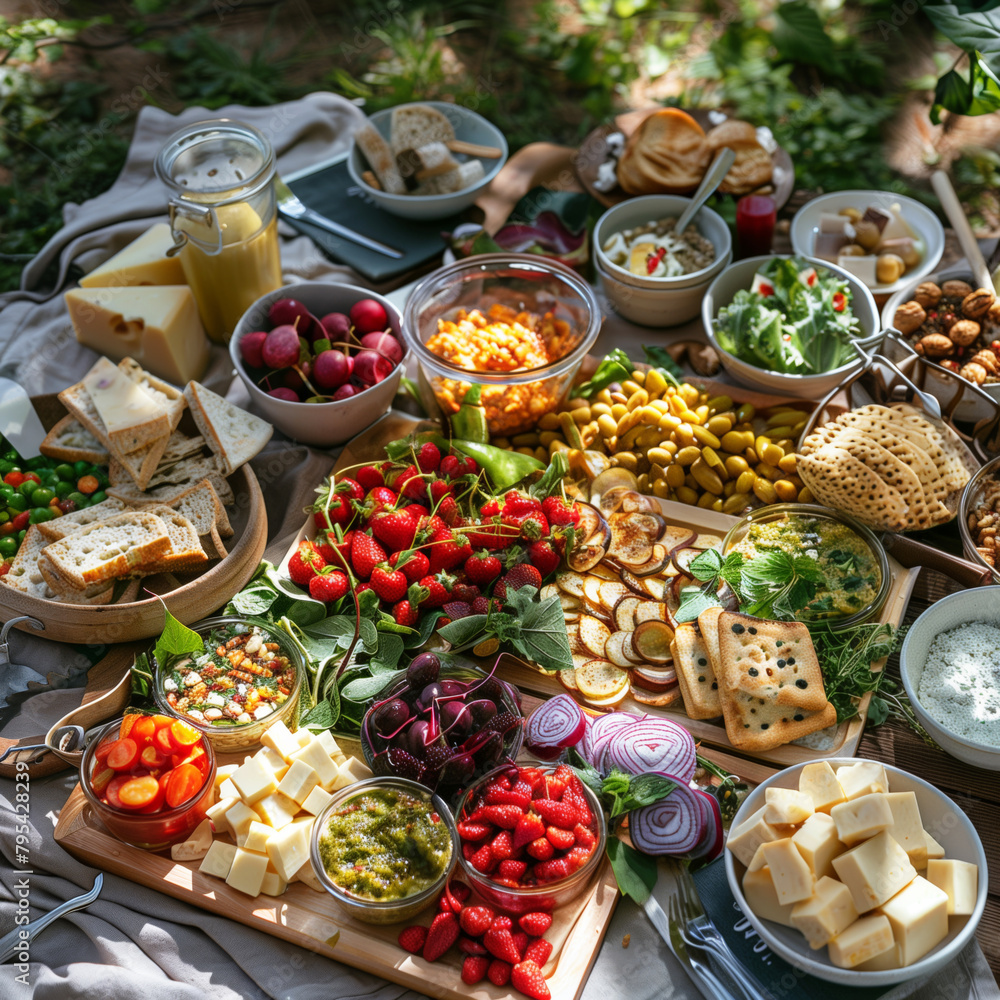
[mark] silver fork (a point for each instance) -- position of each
(704, 978)
(702, 931)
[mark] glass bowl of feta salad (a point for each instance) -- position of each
(247, 676)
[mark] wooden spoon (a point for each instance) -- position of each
(941, 183)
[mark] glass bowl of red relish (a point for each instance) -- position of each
(149, 779)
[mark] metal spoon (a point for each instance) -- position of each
(930, 404)
(713, 178)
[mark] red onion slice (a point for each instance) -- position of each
(710, 845)
(601, 731)
(653, 745)
(554, 725)
(674, 825)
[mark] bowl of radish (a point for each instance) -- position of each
(321, 361)
(442, 725)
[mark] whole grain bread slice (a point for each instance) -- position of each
(133, 417)
(25, 574)
(186, 552)
(234, 435)
(70, 441)
(380, 158)
(59, 527)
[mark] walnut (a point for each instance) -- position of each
(947, 320)
(964, 332)
(988, 360)
(976, 304)
(993, 314)
(956, 289)
(909, 317)
(927, 294)
(974, 373)
(935, 345)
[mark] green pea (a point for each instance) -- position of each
(42, 497)
(98, 497)
(8, 547)
(65, 471)
(18, 502)
(27, 488)
(64, 488)
(80, 499)
(5, 467)
(81, 468)
(48, 477)
(21, 534)
(41, 514)
(38, 462)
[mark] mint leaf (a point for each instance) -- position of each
(635, 873)
(369, 635)
(321, 716)
(390, 649)
(645, 789)
(175, 639)
(616, 367)
(695, 600)
(543, 632)
(362, 688)
(334, 626)
(706, 566)
(463, 630)
(256, 599)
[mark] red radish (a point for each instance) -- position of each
(555, 724)
(281, 348)
(367, 315)
(383, 343)
(291, 379)
(287, 311)
(345, 392)
(336, 325)
(370, 367)
(251, 345)
(332, 369)
(282, 393)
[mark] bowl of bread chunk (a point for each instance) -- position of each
(427, 160)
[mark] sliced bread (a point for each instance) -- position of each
(25, 574)
(380, 158)
(416, 125)
(186, 552)
(60, 527)
(234, 435)
(107, 549)
(133, 418)
(70, 441)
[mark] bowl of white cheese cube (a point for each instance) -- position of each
(857, 872)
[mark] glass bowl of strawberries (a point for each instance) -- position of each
(149, 779)
(532, 837)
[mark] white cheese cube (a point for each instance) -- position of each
(863, 268)
(277, 810)
(247, 872)
(860, 819)
(816, 840)
(827, 912)
(749, 835)
(787, 807)
(758, 861)
(820, 783)
(280, 740)
(866, 777)
(862, 941)
(351, 770)
(299, 781)
(239, 818)
(959, 880)
(254, 780)
(906, 829)
(254, 838)
(288, 848)
(196, 846)
(327, 741)
(934, 849)
(316, 801)
(793, 881)
(274, 761)
(919, 918)
(874, 871)
(214, 699)
(308, 877)
(885, 962)
(224, 772)
(319, 760)
(273, 884)
(303, 737)
(762, 897)
(227, 790)
(217, 814)
(218, 860)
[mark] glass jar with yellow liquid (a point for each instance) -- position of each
(223, 217)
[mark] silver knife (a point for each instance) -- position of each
(291, 207)
(706, 981)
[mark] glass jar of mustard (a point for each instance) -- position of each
(223, 217)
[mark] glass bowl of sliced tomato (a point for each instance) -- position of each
(149, 779)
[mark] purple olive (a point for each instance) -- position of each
(455, 717)
(390, 716)
(430, 692)
(452, 688)
(418, 736)
(457, 769)
(482, 710)
(424, 669)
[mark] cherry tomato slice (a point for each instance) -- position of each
(183, 735)
(127, 723)
(101, 780)
(185, 781)
(162, 721)
(137, 793)
(124, 753)
(114, 787)
(152, 757)
(101, 753)
(164, 742)
(199, 759)
(143, 731)
(157, 804)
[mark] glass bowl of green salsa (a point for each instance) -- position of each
(807, 563)
(384, 849)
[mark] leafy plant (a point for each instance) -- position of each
(975, 29)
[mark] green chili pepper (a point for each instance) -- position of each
(505, 468)
(469, 424)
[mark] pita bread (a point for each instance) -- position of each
(666, 153)
(751, 169)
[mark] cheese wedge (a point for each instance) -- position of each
(158, 326)
(143, 262)
(131, 417)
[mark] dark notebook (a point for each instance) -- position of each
(331, 192)
(782, 979)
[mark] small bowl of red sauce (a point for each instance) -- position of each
(149, 779)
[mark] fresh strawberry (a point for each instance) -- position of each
(584, 836)
(520, 941)
(541, 849)
(361, 588)
(553, 789)
(471, 947)
(366, 554)
(329, 585)
(394, 528)
(483, 605)
(429, 457)
(442, 935)
(469, 830)
(468, 851)
(350, 488)
(336, 551)
(535, 924)
(519, 795)
(533, 776)
(529, 828)
(474, 967)
(560, 814)
(499, 972)
(501, 846)
(456, 609)
(404, 613)
(578, 856)
(459, 890)
(476, 920)
(413, 564)
(305, 563)
(483, 860)
(574, 796)
(448, 901)
(471, 466)
(416, 511)
(449, 511)
(543, 557)
(380, 498)
(482, 567)
(412, 939)
(531, 525)
(512, 869)
(410, 483)
(428, 527)
(451, 467)
(526, 977)
(559, 510)
(522, 576)
(490, 508)
(465, 592)
(515, 502)
(538, 951)
(368, 477)
(390, 584)
(554, 869)
(439, 489)
(439, 589)
(506, 817)
(337, 511)
(447, 549)
(499, 941)
(561, 840)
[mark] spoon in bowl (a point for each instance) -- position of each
(713, 178)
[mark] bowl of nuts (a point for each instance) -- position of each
(951, 323)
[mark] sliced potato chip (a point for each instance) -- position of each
(610, 701)
(600, 678)
(651, 611)
(593, 633)
(655, 586)
(570, 583)
(610, 591)
(614, 649)
(592, 589)
(569, 603)
(571, 617)
(549, 590)
(579, 659)
(651, 640)
(568, 679)
(657, 699)
(605, 572)
(624, 612)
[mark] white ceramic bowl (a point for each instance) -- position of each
(921, 220)
(740, 275)
(979, 604)
(941, 817)
(469, 127)
(319, 424)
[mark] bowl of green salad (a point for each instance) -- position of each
(789, 324)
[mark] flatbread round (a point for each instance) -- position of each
(666, 153)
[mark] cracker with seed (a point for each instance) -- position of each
(695, 676)
(757, 724)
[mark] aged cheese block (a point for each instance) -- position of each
(300, 780)
(791, 875)
(862, 818)
(787, 807)
(919, 918)
(254, 779)
(906, 829)
(277, 810)
(143, 262)
(247, 871)
(745, 840)
(762, 897)
(288, 849)
(316, 801)
(863, 940)
(874, 871)
(959, 880)
(820, 783)
(817, 842)
(863, 778)
(278, 738)
(219, 859)
(827, 912)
